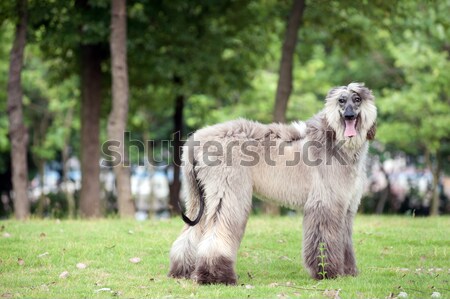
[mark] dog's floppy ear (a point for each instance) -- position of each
(362, 90)
(330, 133)
(367, 94)
(372, 131)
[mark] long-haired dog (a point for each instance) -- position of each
(318, 165)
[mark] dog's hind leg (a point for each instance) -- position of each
(228, 204)
(184, 249)
(323, 226)
(183, 252)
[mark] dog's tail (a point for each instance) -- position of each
(194, 186)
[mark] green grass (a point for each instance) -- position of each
(394, 254)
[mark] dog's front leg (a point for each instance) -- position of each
(349, 254)
(323, 250)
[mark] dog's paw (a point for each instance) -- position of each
(179, 270)
(351, 271)
(330, 273)
(218, 271)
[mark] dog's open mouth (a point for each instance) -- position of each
(350, 127)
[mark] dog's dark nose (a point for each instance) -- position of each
(349, 113)
(349, 116)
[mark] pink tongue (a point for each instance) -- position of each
(350, 130)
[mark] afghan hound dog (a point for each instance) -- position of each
(318, 164)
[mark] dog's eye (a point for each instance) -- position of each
(357, 99)
(342, 100)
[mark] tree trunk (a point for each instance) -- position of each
(39, 132)
(284, 86)
(17, 130)
(67, 191)
(118, 117)
(41, 204)
(386, 193)
(175, 187)
(65, 168)
(91, 97)
(434, 211)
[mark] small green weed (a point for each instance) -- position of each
(322, 257)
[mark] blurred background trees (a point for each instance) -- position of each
(191, 64)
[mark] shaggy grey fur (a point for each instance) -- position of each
(326, 178)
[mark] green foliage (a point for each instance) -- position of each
(212, 49)
(223, 56)
(418, 114)
(49, 98)
(48, 108)
(6, 36)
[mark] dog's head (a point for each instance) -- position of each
(350, 111)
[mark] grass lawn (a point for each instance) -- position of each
(394, 254)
